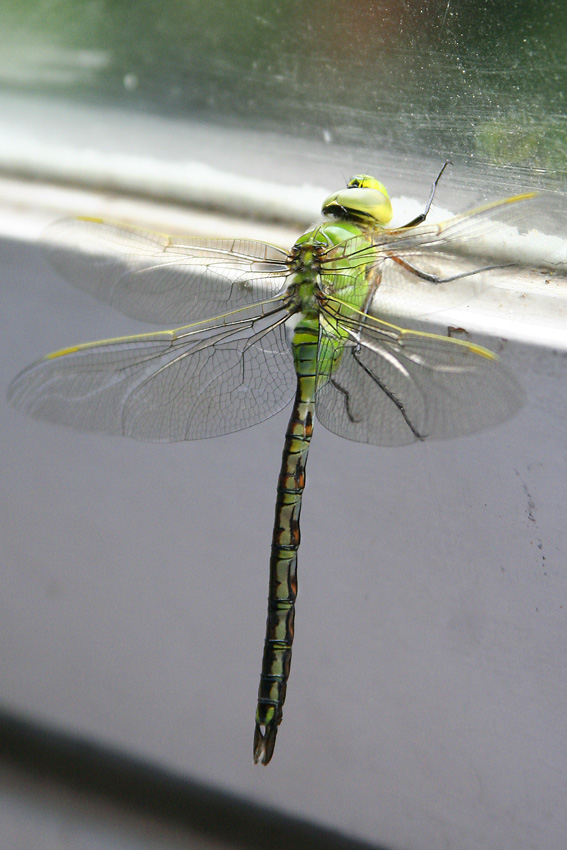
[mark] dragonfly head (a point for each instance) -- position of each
(364, 199)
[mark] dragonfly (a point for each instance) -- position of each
(257, 326)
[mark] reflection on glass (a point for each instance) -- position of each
(437, 77)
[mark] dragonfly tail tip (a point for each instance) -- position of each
(264, 743)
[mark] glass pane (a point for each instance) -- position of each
(288, 88)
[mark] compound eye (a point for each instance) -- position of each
(365, 199)
(366, 181)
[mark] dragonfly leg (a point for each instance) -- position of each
(393, 398)
(434, 278)
(419, 219)
(346, 396)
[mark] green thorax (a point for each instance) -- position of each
(333, 262)
(329, 260)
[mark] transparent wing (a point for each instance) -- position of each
(403, 258)
(183, 384)
(393, 386)
(158, 278)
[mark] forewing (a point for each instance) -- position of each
(393, 386)
(158, 278)
(459, 250)
(478, 232)
(169, 386)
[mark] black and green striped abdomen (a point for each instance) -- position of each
(285, 543)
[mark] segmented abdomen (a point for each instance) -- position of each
(285, 543)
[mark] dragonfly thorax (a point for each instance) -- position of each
(319, 259)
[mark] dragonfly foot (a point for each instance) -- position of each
(264, 742)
